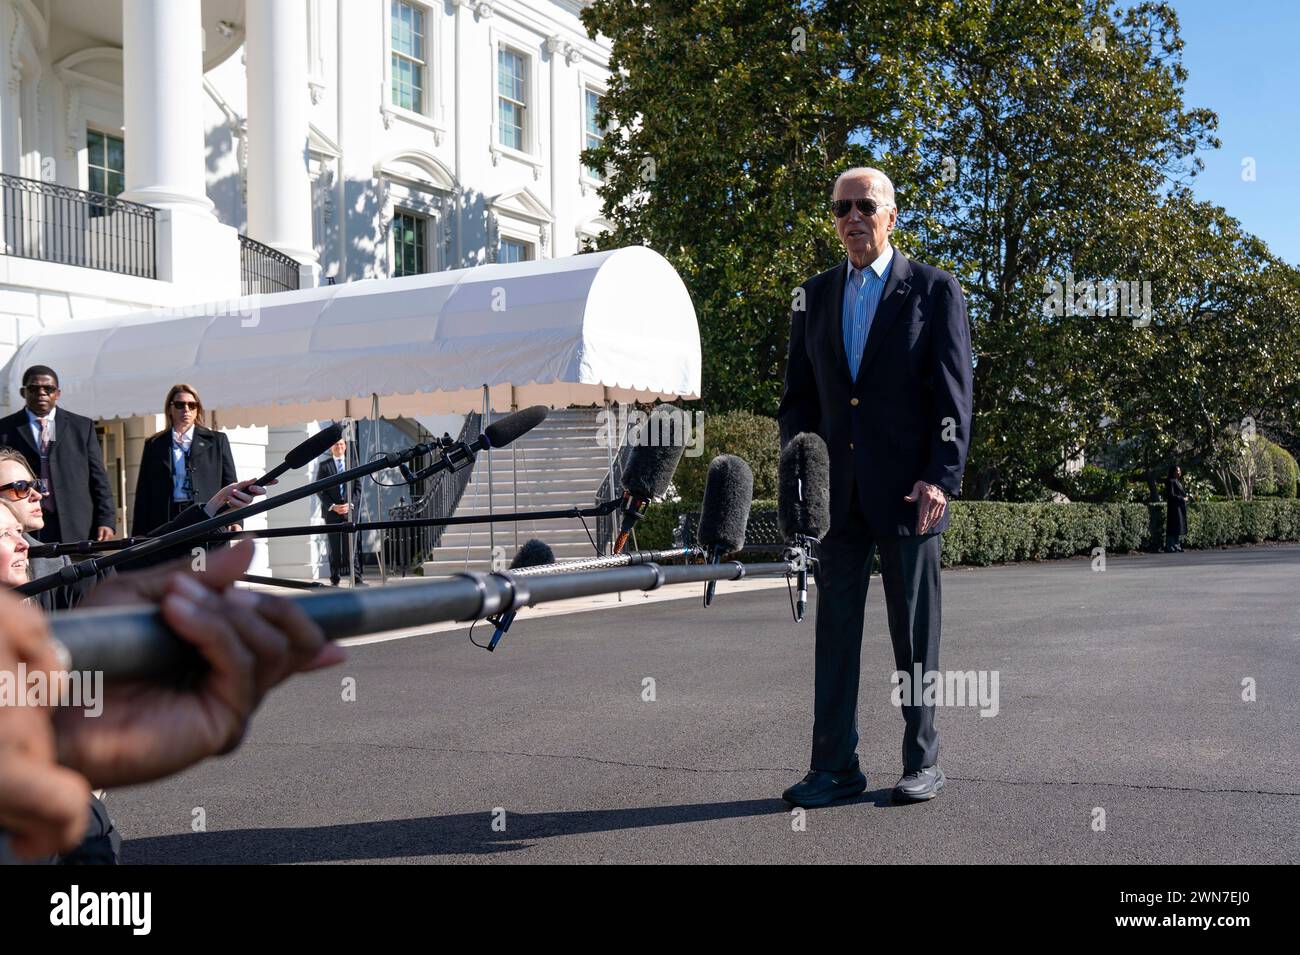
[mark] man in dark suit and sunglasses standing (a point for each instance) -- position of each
(880, 367)
(62, 450)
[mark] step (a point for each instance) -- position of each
(527, 529)
(505, 483)
(587, 453)
(555, 480)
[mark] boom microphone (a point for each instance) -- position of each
(534, 553)
(650, 468)
(728, 493)
(803, 501)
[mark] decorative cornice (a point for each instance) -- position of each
(15, 52)
(480, 8)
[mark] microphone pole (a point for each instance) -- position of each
(80, 548)
(131, 643)
(496, 435)
(183, 535)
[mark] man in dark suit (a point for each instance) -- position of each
(880, 368)
(338, 504)
(62, 449)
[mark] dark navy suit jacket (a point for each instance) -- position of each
(908, 415)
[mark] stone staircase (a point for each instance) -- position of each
(560, 464)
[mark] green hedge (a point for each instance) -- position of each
(989, 532)
(753, 437)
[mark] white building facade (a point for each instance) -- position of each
(160, 153)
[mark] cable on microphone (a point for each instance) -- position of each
(534, 553)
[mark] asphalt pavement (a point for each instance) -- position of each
(1120, 734)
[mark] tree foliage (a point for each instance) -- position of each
(1031, 142)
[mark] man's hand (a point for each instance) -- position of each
(933, 502)
(341, 509)
(103, 533)
(251, 642)
(44, 808)
(239, 494)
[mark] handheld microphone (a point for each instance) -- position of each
(803, 502)
(496, 435)
(650, 468)
(304, 453)
(728, 493)
(534, 553)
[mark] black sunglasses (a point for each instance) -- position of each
(19, 490)
(185, 405)
(867, 206)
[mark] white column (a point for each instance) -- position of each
(166, 163)
(279, 187)
(162, 81)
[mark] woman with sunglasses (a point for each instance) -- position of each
(185, 464)
(21, 493)
(101, 844)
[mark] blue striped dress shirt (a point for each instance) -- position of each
(862, 291)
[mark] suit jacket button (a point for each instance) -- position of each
(850, 445)
(853, 402)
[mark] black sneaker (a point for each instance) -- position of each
(821, 788)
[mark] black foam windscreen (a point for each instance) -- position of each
(315, 446)
(512, 426)
(804, 487)
(728, 493)
(534, 553)
(658, 449)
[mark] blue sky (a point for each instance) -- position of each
(1242, 62)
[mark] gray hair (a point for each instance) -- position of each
(880, 185)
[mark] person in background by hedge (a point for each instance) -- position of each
(1175, 510)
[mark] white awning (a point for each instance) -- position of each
(615, 325)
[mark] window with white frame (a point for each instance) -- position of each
(409, 55)
(593, 133)
(512, 98)
(410, 243)
(105, 163)
(515, 250)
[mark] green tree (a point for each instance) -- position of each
(734, 118)
(1030, 141)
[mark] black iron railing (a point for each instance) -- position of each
(54, 223)
(407, 547)
(264, 269)
(762, 532)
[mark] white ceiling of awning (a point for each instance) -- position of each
(615, 325)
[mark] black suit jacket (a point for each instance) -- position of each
(908, 415)
(331, 496)
(212, 465)
(82, 494)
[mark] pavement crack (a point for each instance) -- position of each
(719, 770)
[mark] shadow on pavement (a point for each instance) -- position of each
(461, 834)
